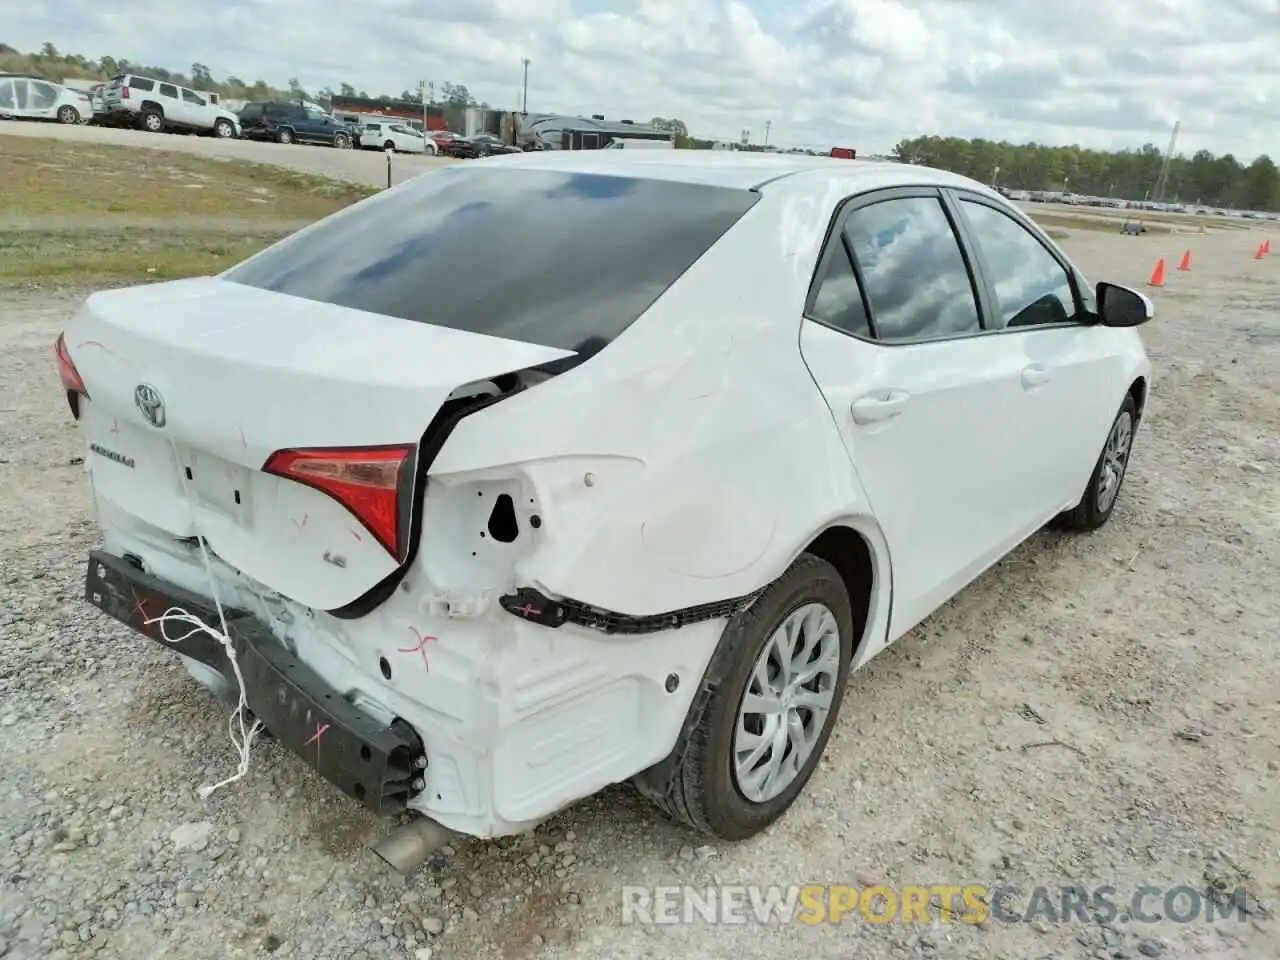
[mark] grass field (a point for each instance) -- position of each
(76, 214)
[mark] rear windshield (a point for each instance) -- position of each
(565, 260)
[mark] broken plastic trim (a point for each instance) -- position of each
(534, 606)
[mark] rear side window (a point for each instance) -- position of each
(141, 83)
(565, 260)
(252, 110)
(189, 97)
(168, 90)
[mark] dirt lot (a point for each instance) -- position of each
(1095, 711)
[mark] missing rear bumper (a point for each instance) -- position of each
(379, 766)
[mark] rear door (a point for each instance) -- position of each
(929, 405)
(166, 95)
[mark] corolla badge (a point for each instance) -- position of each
(150, 403)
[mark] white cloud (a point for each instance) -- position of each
(862, 73)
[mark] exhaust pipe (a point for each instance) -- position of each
(407, 847)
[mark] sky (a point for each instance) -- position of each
(821, 73)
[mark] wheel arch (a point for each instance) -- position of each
(1138, 390)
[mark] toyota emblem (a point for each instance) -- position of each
(150, 403)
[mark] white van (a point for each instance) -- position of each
(629, 143)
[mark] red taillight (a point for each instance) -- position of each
(368, 481)
(72, 382)
(124, 93)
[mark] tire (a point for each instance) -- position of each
(389, 146)
(152, 120)
(697, 784)
(68, 114)
(224, 130)
(1103, 492)
(341, 141)
(284, 136)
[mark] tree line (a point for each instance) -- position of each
(52, 63)
(1201, 179)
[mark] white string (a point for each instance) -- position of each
(245, 741)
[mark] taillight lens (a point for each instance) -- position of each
(124, 93)
(371, 482)
(72, 382)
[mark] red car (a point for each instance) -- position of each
(454, 145)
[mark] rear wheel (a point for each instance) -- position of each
(389, 146)
(342, 141)
(152, 120)
(1100, 496)
(763, 713)
(68, 114)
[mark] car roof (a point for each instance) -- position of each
(738, 169)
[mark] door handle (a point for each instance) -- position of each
(878, 407)
(1034, 375)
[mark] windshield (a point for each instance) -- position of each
(547, 257)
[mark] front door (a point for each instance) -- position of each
(1066, 356)
(927, 403)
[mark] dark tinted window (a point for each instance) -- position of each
(562, 259)
(251, 111)
(916, 280)
(190, 97)
(142, 83)
(168, 90)
(1032, 287)
(839, 299)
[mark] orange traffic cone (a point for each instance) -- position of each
(1185, 264)
(1262, 251)
(1157, 275)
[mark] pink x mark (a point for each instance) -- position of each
(421, 646)
(320, 729)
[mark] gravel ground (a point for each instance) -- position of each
(1098, 710)
(367, 167)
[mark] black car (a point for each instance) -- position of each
(296, 123)
(487, 144)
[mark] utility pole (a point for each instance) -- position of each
(1163, 183)
(524, 96)
(767, 125)
(422, 94)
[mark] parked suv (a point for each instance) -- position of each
(296, 123)
(158, 105)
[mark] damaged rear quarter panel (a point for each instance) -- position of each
(691, 460)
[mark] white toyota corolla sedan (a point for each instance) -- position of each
(526, 478)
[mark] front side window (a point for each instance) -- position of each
(7, 100)
(566, 260)
(915, 277)
(190, 97)
(1031, 286)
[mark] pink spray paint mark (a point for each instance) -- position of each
(420, 648)
(320, 731)
(357, 536)
(300, 524)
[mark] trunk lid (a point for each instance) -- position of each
(240, 373)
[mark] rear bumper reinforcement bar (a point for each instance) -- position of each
(373, 763)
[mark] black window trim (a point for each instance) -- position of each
(987, 303)
(958, 196)
(835, 228)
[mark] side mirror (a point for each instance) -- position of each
(1122, 307)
